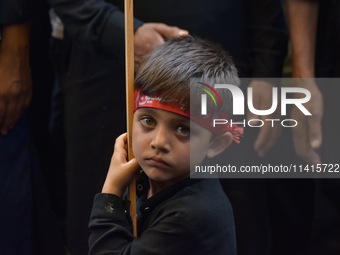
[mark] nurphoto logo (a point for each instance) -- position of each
(238, 104)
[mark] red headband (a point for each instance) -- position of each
(174, 106)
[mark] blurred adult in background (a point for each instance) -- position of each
(315, 38)
(27, 222)
(253, 32)
(15, 93)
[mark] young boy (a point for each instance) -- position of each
(177, 214)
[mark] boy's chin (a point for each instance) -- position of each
(161, 177)
(154, 175)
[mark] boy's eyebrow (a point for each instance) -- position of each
(177, 117)
(147, 109)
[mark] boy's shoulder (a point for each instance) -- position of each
(203, 200)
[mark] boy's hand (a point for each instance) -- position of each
(120, 172)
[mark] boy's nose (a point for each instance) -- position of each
(161, 140)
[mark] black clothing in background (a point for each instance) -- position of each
(28, 224)
(14, 12)
(326, 229)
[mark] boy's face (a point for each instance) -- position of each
(162, 142)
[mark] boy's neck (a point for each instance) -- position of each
(156, 186)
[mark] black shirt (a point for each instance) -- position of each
(191, 217)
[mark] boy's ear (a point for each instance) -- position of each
(219, 144)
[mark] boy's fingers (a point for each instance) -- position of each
(120, 140)
(126, 146)
(120, 144)
(133, 165)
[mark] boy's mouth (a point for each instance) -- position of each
(155, 161)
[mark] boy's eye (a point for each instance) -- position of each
(148, 121)
(183, 131)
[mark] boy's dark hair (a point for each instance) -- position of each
(179, 64)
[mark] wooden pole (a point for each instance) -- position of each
(129, 66)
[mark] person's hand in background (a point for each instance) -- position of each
(149, 35)
(302, 17)
(307, 135)
(15, 75)
(271, 130)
